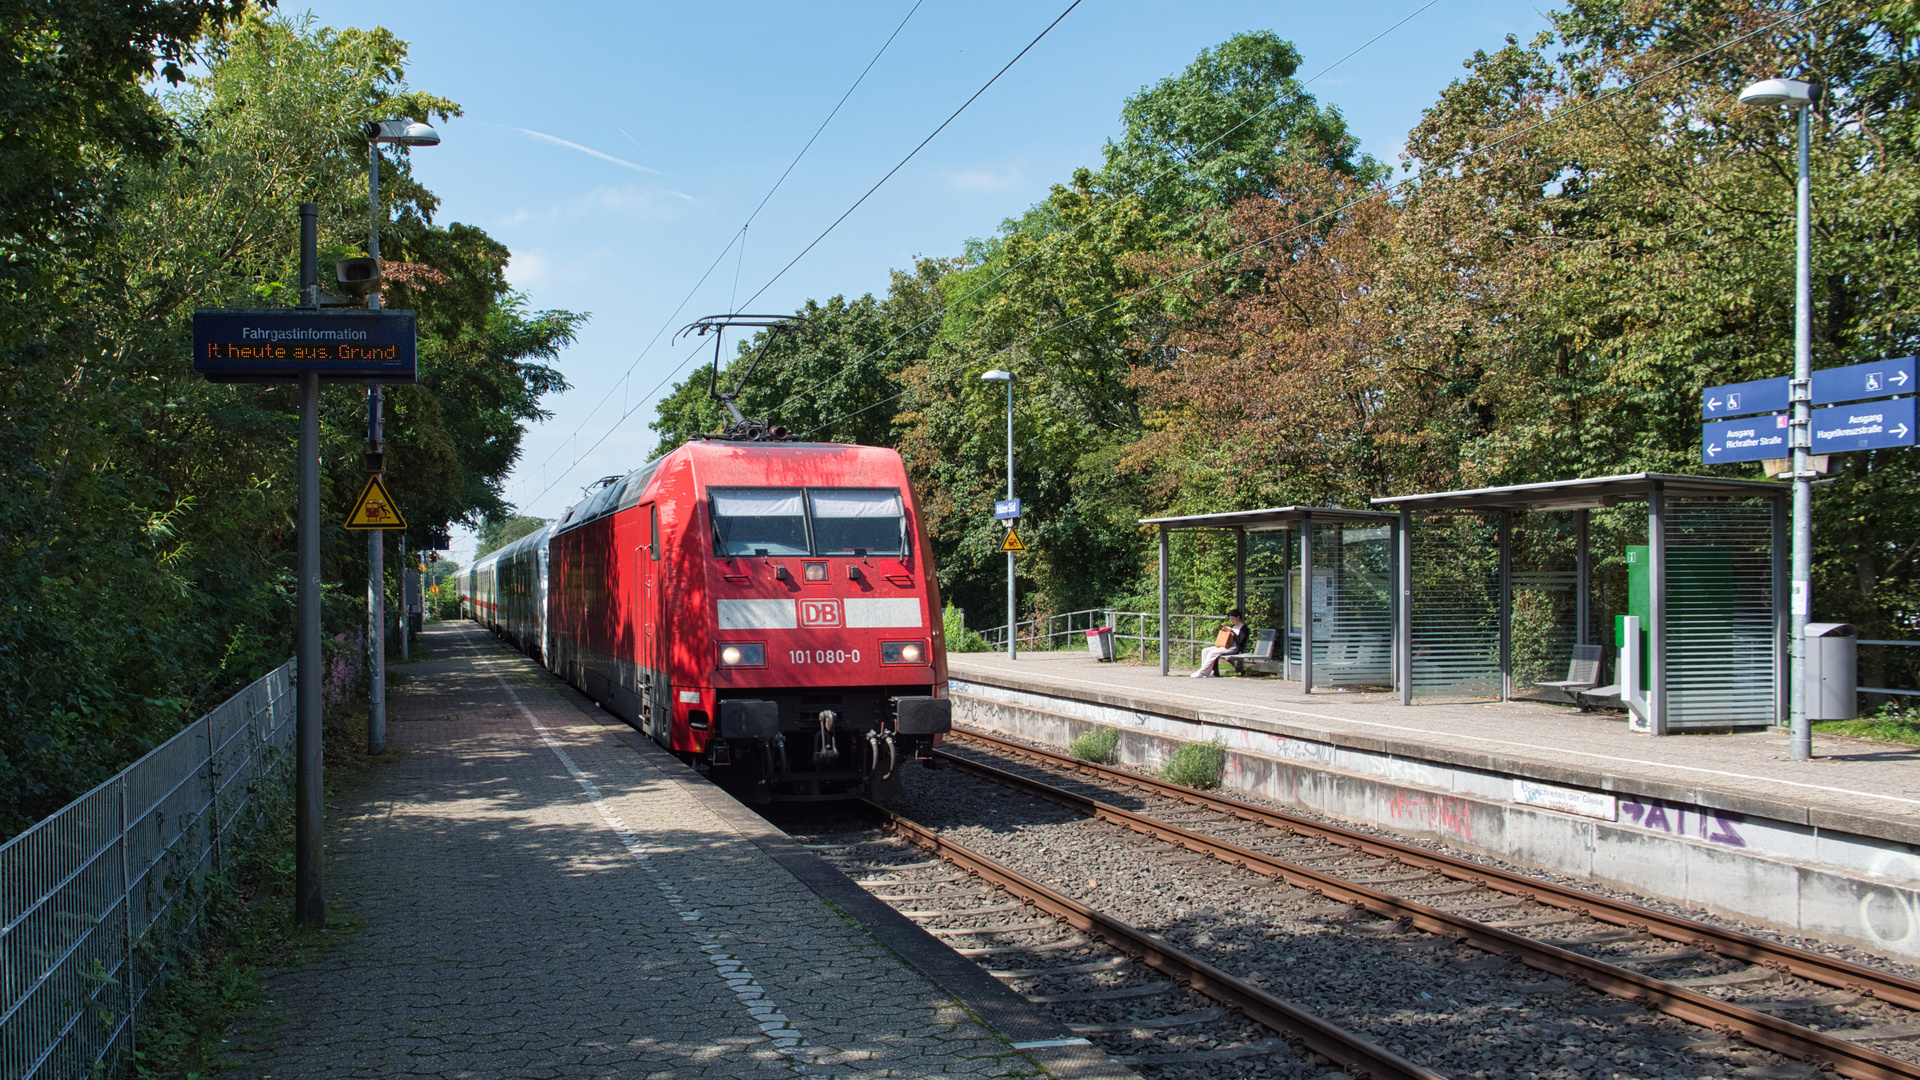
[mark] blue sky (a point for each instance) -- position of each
(617, 148)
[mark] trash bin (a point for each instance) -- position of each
(1100, 643)
(1832, 690)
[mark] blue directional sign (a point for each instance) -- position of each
(1739, 399)
(1007, 509)
(277, 344)
(1882, 378)
(1754, 438)
(1868, 425)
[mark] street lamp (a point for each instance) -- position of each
(997, 375)
(398, 133)
(1800, 96)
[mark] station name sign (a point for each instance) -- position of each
(264, 345)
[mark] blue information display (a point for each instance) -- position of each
(1739, 399)
(1882, 378)
(1869, 425)
(1007, 509)
(1754, 438)
(277, 344)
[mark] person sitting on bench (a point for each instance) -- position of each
(1230, 641)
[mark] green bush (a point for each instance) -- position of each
(959, 638)
(1196, 764)
(1096, 746)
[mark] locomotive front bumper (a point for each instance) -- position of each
(923, 716)
(752, 718)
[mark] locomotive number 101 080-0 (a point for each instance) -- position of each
(824, 656)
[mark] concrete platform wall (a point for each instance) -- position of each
(1797, 877)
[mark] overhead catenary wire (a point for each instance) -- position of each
(911, 153)
(1385, 190)
(739, 238)
(1060, 236)
(1051, 240)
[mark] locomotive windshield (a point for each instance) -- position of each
(812, 521)
(847, 521)
(759, 521)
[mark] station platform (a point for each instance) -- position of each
(533, 890)
(1828, 847)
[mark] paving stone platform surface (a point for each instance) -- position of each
(533, 895)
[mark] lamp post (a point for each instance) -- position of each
(399, 133)
(1799, 96)
(997, 375)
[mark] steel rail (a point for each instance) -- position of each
(1813, 967)
(1359, 1056)
(1760, 1029)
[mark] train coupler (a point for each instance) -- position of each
(824, 750)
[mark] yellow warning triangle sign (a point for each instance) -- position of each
(374, 509)
(1012, 542)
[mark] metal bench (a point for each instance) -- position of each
(1583, 675)
(1351, 661)
(1260, 659)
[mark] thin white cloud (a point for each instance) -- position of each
(984, 180)
(526, 270)
(587, 150)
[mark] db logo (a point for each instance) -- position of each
(819, 612)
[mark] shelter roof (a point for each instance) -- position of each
(1589, 493)
(1278, 517)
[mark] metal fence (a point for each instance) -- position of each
(1136, 634)
(1064, 631)
(96, 900)
(1895, 667)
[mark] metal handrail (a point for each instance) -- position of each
(1183, 632)
(1887, 690)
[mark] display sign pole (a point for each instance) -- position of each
(376, 459)
(306, 346)
(309, 891)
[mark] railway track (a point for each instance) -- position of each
(1148, 1003)
(1769, 995)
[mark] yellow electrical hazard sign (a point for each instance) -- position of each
(374, 509)
(1012, 542)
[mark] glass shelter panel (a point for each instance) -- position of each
(1721, 659)
(1351, 605)
(1543, 620)
(1456, 607)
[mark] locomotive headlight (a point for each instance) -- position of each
(742, 655)
(903, 652)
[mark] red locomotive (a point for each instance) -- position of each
(765, 609)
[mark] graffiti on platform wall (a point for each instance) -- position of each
(1693, 822)
(1442, 813)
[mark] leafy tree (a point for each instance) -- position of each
(73, 73)
(497, 533)
(147, 515)
(1231, 126)
(830, 377)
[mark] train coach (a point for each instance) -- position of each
(767, 610)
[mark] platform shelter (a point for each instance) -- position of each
(1338, 604)
(1506, 587)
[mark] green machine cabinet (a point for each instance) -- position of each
(1701, 597)
(1639, 605)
